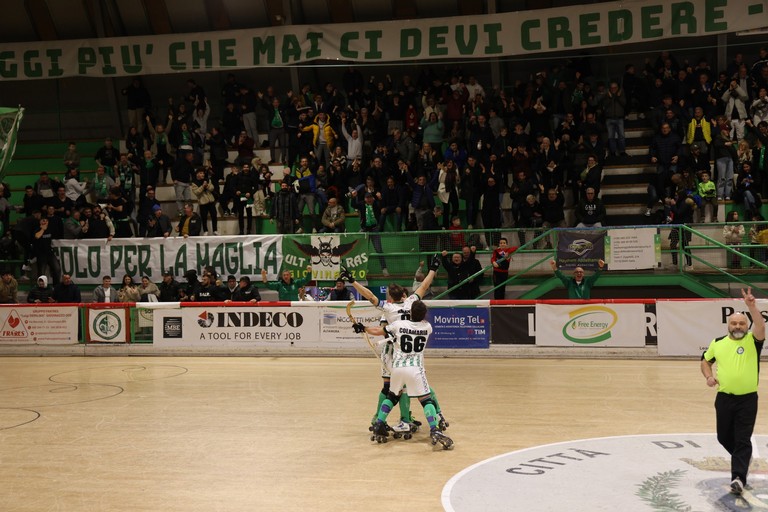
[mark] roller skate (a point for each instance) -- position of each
(380, 432)
(413, 423)
(442, 425)
(438, 437)
(402, 429)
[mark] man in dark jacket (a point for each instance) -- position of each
(458, 271)
(370, 214)
(340, 292)
(190, 224)
(590, 213)
(182, 173)
(665, 152)
(169, 288)
(246, 291)
(285, 209)
(66, 291)
(209, 291)
(189, 292)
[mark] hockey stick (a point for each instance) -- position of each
(365, 334)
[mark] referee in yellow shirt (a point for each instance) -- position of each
(737, 360)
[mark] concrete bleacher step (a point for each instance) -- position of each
(624, 198)
(623, 189)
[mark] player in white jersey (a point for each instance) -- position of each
(410, 339)
(398, 309)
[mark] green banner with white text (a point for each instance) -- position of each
(326, 254)
(482, 36)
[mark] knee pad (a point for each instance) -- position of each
(385, 389)
(427, 402)
(393, 398)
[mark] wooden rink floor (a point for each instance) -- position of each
(290, 434)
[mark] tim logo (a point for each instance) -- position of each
(172, 327)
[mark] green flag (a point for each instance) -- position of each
(10, 120)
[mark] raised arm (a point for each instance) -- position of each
(434, 264)
(758, 323)
(346, 276)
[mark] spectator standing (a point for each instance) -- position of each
(202, 188)
(370, 215)
(333, 217)
(108, 155)
(665, 152)
(138, 99)
(733, 234)
(500, 259)
(182, 173)
(285, 209)
(72, 157)
(725, 157)
(245, 188)
(578, 286)
(43, 250)
(190, 224)
(458, 271)
(287, 287)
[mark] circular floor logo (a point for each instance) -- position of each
(107, 325)
(669, 472)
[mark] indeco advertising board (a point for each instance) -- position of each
(234, 326)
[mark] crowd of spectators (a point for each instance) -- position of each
(402, 153)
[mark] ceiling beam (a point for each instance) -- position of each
(157, 14)
(275, 12)
(218, 16)
(404, 10)
(538, 4)
(341, 11)
(41, 20)
(470, 7)
(101, 23)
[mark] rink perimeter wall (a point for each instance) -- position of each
(613, 328)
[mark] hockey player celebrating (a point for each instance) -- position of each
(410, 339)
(398, 309)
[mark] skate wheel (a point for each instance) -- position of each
(397, 435)
(407, 436)
(414, 429)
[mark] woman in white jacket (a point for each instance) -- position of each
(448, 190)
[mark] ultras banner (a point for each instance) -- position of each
(484, 36)
(87, 261)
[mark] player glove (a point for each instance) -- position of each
(358, 327)
(434, 263)
(346, 275)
